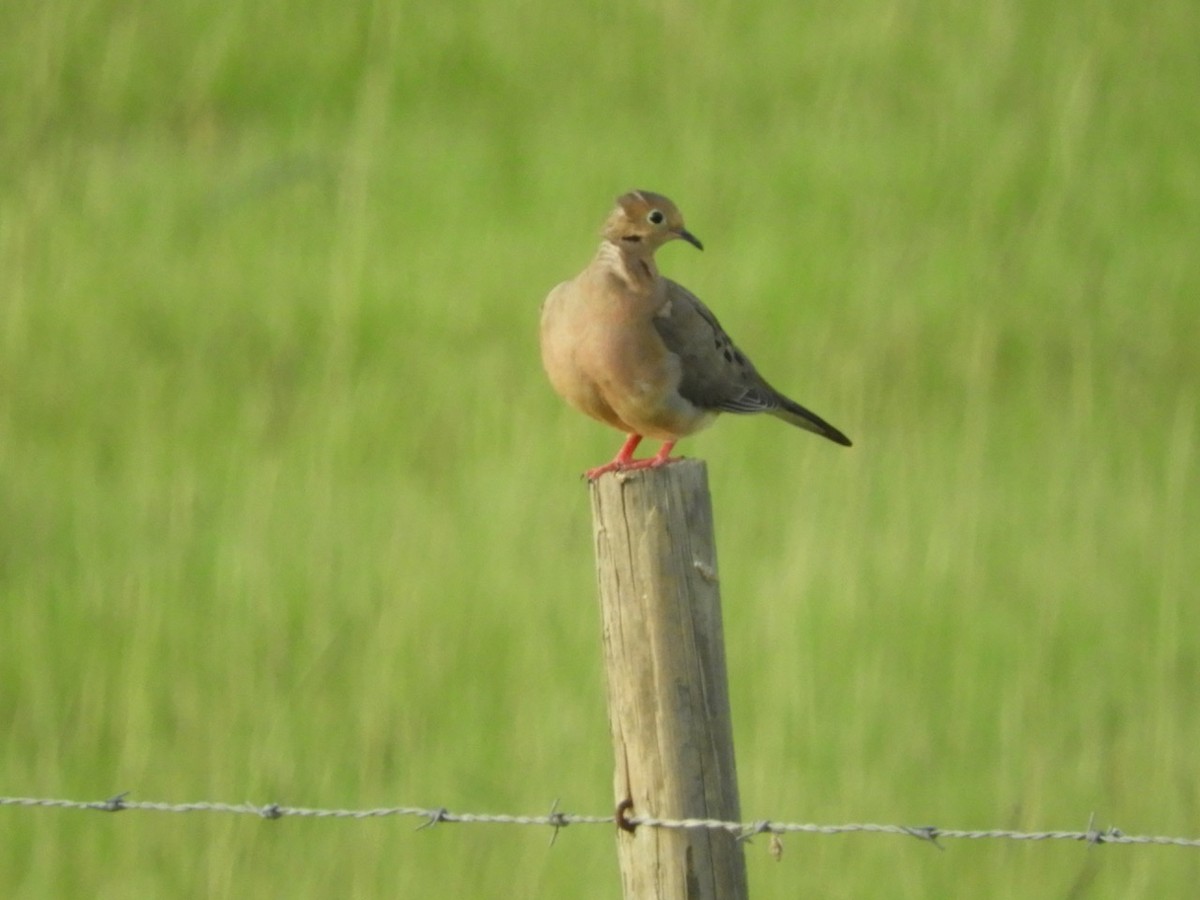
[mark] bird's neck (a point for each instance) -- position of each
(632, 263)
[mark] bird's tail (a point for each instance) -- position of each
(797, 415)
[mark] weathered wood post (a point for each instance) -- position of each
(668, 696)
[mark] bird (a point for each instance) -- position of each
(640, 352)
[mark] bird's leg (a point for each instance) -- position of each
(623, 459)
(653, 462)
(664, 454)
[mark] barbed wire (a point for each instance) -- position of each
(558, 820)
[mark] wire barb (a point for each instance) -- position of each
(925, 833)
(756, 828)
(436, 817)
(116, 803)
(557, 821)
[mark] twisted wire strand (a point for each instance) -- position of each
(558, 820)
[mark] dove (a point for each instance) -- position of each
(642, 353)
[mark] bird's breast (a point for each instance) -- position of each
(606, 358)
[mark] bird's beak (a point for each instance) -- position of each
(690, 238)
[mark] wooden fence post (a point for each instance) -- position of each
(668, 697)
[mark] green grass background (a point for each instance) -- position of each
(288, 512)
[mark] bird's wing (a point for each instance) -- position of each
(715, 374)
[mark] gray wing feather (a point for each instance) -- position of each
(716, 376)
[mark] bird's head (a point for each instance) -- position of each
(646, 220)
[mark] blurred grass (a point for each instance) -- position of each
(288, 514)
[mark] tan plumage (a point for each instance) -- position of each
(641, 352)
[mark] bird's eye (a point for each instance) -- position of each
(655, 217)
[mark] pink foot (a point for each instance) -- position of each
(593, 474)
(624, 461)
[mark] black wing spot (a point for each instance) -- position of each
(728, 356)
(737, 354)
